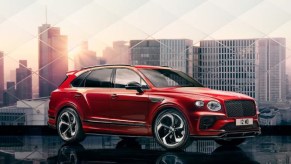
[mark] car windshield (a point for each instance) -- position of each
(169, 78)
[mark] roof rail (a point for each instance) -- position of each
(93, 66)
(166, 66)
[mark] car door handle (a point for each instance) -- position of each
(77, 95)
(114, 96)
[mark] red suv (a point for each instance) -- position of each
(149, 101)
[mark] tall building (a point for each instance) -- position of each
(85, 57)
(1, 77)
(176, 53)
(9, 95)
(255, 67)
(53, 58)
(118, 54)
(195, 61)
(23, 81)
(272, 69)
(145, 52)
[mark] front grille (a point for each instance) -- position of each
(240, 108)
(233, 127)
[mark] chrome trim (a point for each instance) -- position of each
(115, 123)
(118, 135)
(156, 99)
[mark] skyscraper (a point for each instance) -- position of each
(23, 81)
(9, 96)
(53, 58)
(118, 54)
(272, 69)
(1, 77)
(255, 67)
(176, 53)
(145, 52)
(85, 57)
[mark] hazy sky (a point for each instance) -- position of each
(102, 21)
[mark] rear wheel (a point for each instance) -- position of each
(69, 126)
(231, 142)
(171, 130)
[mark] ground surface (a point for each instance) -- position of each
(110, 149)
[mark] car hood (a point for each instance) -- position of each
(207, 92)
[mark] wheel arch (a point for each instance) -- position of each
(72, 106)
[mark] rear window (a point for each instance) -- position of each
(79, 81)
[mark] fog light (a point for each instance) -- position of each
(207, 122)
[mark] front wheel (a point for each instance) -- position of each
(69, 126)
(171, 130)
(231, 142)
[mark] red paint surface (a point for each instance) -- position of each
(129, 108)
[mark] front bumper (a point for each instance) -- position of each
(231, 135)
(222, 127)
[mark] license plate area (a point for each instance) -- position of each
(244, 121)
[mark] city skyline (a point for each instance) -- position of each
(109, 27)
(102, 22)
(167, 49)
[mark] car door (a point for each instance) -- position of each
(98, 86)
(128, 106)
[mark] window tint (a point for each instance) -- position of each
(99, 78)
(79, 81)
(169, 78)
(124, 76)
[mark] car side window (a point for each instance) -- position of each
(79, 81)
(124, 76)
(100, 78)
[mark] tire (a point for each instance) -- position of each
(171, 130)
(232, 142)
(69, 126)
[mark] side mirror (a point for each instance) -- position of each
(134, 86)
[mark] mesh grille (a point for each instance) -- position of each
(233, 127)
(240, 108)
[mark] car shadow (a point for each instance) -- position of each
(130, 151)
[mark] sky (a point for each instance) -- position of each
(100, 22)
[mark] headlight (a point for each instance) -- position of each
(213, 106)
(199, 103)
